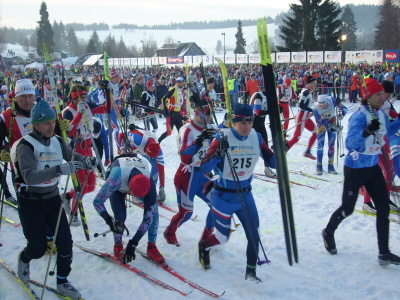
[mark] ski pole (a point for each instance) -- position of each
(311, 114)
(52, 249)
(102, 234)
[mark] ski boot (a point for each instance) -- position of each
(309, 155)
(329, 242)
(331, 169)
(204, 256)
(319, 169)
(154, 254)
(251, 275)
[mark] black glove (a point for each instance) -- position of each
(115, 226)
(91, 163)
(130, 252)
(371, 128)
(223, 147)
(206, 134)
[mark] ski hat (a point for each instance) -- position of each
(322, 99)
(139, 185)
(149, 84)
(42, 112)
(288, 81)
(387, 75)
(388, 86)
(4, 88)
(373, 86)
(180, 79)
(114, 74)
(96, 127)
(310, 79)
(152, 149)
(242, 111)
(355, 73)
(24, 87)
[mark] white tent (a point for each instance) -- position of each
(34, 65)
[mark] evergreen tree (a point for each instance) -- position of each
(110, 45)
(121, 49)
(44, 31)
(240, 41)
(311, 26)
(72, 41)
(328, 26)
(218, 48)
(63, 36)
(387, 30)
(94, 45)
(349, 28)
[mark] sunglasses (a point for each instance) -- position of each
(240, 118)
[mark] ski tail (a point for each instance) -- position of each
(31, 293)
(278, 141)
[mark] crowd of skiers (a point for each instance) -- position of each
(45, 137)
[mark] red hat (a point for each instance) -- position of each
(152, 149)
(139, 185)
(288, 81)
(114, 74)
(149, 84)
(373, 86)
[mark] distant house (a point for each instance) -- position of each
(179, 49)
(61, 55)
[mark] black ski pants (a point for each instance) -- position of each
(36, 215)
(373, 180)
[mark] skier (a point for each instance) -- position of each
(194, 140)
(325, 117)
(367, 127)
(258, 101)
(38, 160)
(145, 143)
(130, 175)
(174, 104)
(286, 95)
(385, 159)
(80, 115)
(224, 196)
(16, 123)
(302, 118)
(149, 99)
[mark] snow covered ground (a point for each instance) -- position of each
(352, 274)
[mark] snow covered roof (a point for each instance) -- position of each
(92, 60)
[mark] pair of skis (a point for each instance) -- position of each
(31, 293)
(146, 276)
(278, 141)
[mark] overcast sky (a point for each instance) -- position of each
(25, 13)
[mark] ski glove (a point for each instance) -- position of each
(91, 163)
(81, 107)
(5, 156)
(130, 252)
(371, 128)
(161, 195)
(223, 147)
(64, 125)
(205, 135)
(115, 226)
(340, 117)
(69, 167)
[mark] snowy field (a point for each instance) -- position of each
(354, 273)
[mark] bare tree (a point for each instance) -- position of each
(169, 40)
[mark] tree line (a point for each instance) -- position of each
(320, 25)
